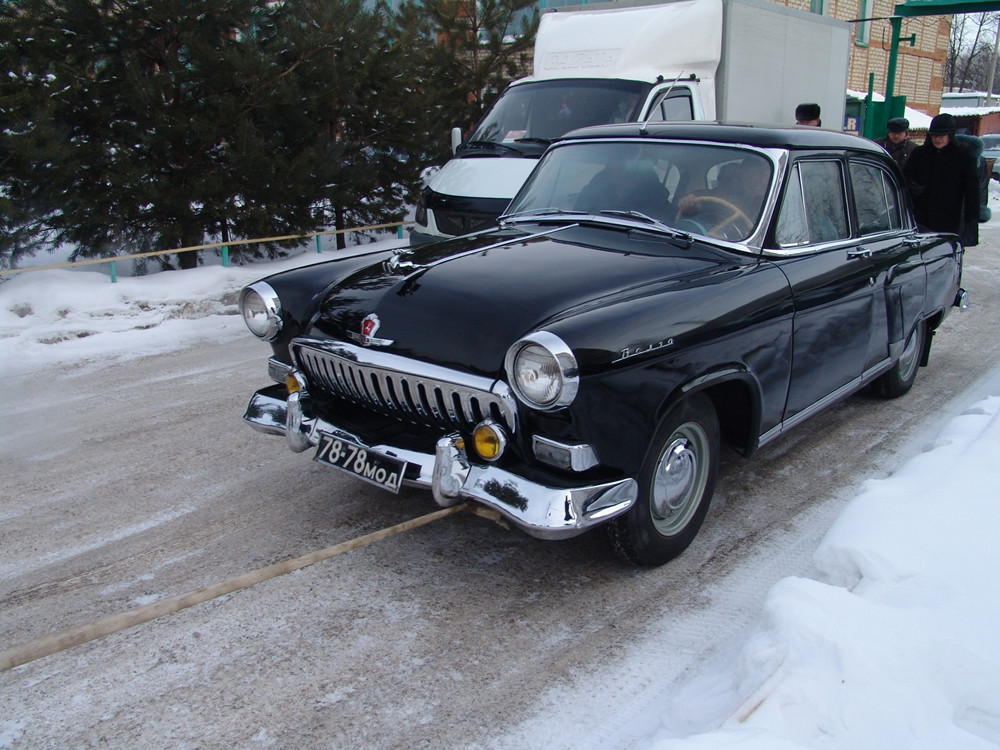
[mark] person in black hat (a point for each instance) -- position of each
(943, 183)
(897, 140)
(808, 114)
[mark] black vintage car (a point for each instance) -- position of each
(651, 292)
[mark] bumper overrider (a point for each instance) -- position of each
(540, 511)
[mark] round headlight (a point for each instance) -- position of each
(543, 371)
(261, 310)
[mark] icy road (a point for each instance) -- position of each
(135, 480)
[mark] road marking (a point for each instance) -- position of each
(63, 639)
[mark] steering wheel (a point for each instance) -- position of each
(733, 215)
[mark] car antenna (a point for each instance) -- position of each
(645, 123)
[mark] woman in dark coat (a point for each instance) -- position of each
(944, 183)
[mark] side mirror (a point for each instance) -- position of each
(456, 139)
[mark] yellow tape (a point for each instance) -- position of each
(178, 251)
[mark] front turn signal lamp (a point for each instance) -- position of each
(294, 382)
(489, 440)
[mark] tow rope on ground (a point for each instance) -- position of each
(63, 639)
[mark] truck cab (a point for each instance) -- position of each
(489, 166)
(735, 60)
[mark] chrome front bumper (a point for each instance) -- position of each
(540, 511)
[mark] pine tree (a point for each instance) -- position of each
(133, 126)
(359, 97)
(478, 47)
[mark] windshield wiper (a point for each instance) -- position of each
(654, 223)
(537, 212)
(492, 145)
(542, 141)
(632, 215)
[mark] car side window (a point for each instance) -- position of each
(813, 209)
(875, 199)
(672, 106)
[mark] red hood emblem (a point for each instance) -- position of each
(369, 326)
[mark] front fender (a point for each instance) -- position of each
(302, 289)
(618, 413)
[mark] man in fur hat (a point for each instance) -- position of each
(944, 183)
(897, 140)
(808, 114)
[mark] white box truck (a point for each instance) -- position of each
(727, 60)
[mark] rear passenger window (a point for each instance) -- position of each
(875, 199)
(813, 209)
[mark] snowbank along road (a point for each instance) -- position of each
(130, 482)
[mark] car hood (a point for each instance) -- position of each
(462, 303)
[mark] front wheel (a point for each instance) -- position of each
(676, 482)
(900, 378)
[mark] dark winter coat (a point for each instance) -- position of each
(944, 186)
(898, 153)
(976, 146)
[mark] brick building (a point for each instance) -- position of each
(919, 67)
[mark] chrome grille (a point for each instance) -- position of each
(398, 386)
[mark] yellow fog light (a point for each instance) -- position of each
(489, 440)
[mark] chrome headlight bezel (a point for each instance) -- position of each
(563, 376)
(260, 308)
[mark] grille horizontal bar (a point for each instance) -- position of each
(398, 386)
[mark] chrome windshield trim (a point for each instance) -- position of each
(777, 157)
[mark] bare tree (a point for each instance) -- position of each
(971, 51)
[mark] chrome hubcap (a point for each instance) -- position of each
(680, 479)
(908, 359)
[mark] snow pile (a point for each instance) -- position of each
(897, 645)
(57, 316)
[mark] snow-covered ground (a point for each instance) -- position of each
(893, 645)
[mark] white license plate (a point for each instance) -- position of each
(383, 471)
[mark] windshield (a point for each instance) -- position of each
(716, 191)
(548, 109)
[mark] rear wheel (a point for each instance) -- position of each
(676, 483)
(900, 378)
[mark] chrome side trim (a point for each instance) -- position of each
(827, 401)
(540, 511)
